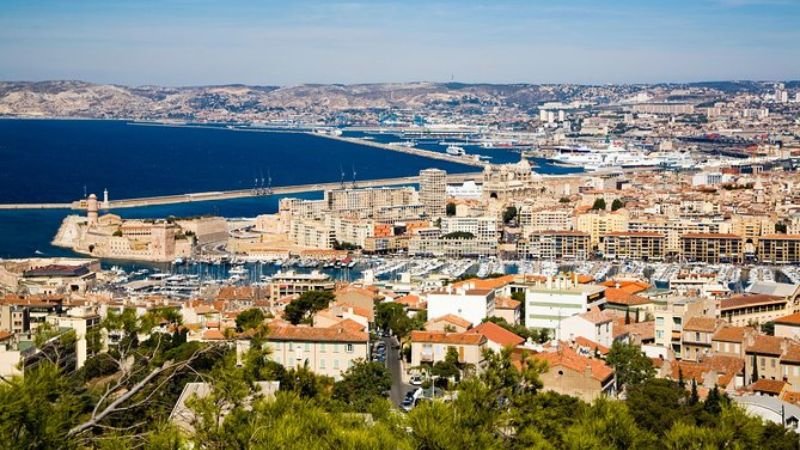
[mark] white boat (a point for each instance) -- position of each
(455, 150)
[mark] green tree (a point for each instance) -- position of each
(656, 404)
(509, 214)
(362, 384)
(249, 319)
(304, 307)
(631, 365)
(599, 204)
(450, 209)
(617, 204)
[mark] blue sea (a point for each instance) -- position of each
(53, 160)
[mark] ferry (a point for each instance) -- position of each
(455, 150)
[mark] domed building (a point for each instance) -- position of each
(510, 181)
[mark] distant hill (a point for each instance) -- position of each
(241, 102)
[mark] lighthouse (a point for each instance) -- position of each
(105, 199)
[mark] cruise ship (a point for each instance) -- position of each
(616, 156)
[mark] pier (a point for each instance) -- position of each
(242, 193)
(466, 160)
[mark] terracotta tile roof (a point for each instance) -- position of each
(5, 335)
(621, 297)
(485, 283)
(355, 290)
(792, 353)
(591, 345)
(699, 323)
(726, 368)
(440, 337)
(506, 303)
(710, 236)
(568, 358)
(766, 345)
(634, 234)
(785, 237)
(629, 286)
(740, 301)
(497, 334)
(644, 330)
(411, 301)
(335, 333)
(596, 316)
(731, 334)
(583, 278)
(791, 319)
(774, 387)
(451, 319)
(791, 397)
(213, 335)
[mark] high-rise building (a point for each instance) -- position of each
(433, 191)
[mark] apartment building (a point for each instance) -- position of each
(327, 351)
(744, 310)
(430, 347)
(555, 245)
(289, 283)
(597, 224)
(671, 316)
(537, 220)
(548, 303)
(484, 228)
(712, 248)
(595, 325)
(465, 301)
(779, 249)
(633, 244)
(675, 227)
(433, 191)
(697, 337)
(423, 244)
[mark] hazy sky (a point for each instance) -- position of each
(183, 42)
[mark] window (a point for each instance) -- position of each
(323, 348)
(336, 364)
(697, 337)
(307, 346)
(772, 362)
(348, 348)
(335, 348)
(291, 347)
(763, 362)
(322, 364)
(659, 321)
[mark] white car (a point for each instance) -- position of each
(416, 380)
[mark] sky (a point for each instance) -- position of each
(183, 42)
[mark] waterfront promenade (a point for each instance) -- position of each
(241, 193)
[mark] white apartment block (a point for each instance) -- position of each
(548, 303)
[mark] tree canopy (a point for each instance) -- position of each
(310, 302)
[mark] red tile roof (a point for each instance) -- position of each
(497, 334)
(336, 333)
(506, 303)
(740, 301)
(774, 387)
(440, 337)
(699, 323)
(791, 319)
(452, 319)
(568, 358)
(766, 345)
(731, 334)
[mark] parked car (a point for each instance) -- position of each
(416, 379)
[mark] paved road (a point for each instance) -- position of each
(399, 388)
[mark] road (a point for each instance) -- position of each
(399, 388)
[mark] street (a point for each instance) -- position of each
(399, 388)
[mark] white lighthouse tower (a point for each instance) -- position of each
(105, 199)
